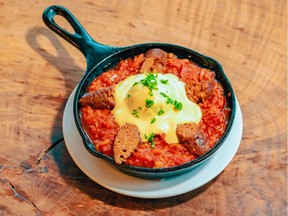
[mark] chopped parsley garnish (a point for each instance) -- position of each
(169, 101)
(177, 105)
(150, 81)
(163, 94)
(164, 81)
(150, 139)
(160, 112)
(149, 103)
(135, 113)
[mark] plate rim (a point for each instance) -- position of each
(238, 125)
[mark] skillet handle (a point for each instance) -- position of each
(93, 51)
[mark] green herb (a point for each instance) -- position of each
(169, 101)
(153, 120)
(164, 95)
(164, 81)
(149, 103)
(160, 112)
(135, 113)
(140, 108)
(135, 83)
(128, 96)
(177, 105)
(150, 139)
(150, 81)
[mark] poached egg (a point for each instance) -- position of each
(155, 103)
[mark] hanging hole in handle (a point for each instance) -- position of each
(61, 21)
(93, 51)
(80, 37)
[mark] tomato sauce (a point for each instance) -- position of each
(102, 127)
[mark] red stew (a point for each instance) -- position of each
(102, 127)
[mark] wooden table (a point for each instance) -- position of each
(39, 70)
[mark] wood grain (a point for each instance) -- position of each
(39, 70)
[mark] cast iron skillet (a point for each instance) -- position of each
(101, 57)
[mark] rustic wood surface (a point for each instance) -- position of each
(39, 70)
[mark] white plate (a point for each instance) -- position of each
(111, 178)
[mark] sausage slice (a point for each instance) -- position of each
(190, 135)
(199, 91)
(126, 142)
(99, 99)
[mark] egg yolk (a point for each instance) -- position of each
(155, 103)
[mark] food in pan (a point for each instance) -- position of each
(154, 110)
